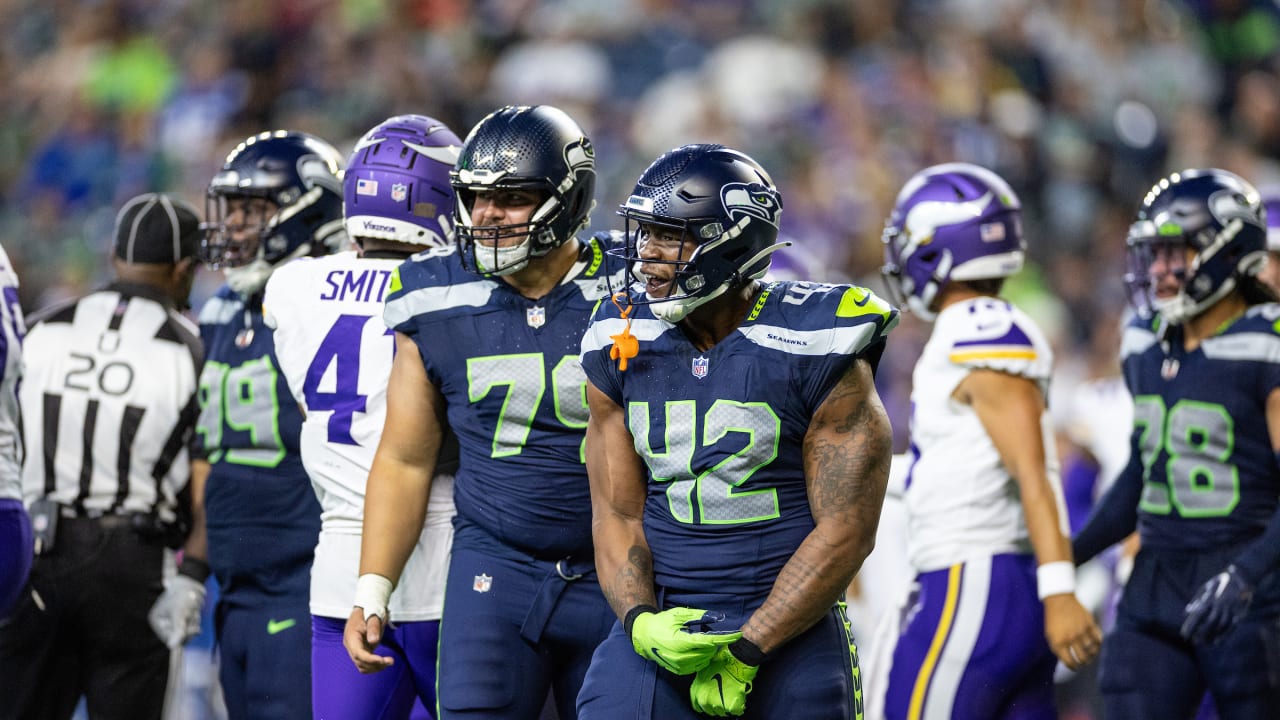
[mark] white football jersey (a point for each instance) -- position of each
(961, 501)
(335, 352)
(12, 329)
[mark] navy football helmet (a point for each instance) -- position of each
(954, 221)
(531, 148)
(283, 192)
(1205, 228)
(720, 203)
(396, 185)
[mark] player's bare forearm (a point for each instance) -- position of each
(847, 451)
(197, 542)
(400, 477)
(624, 562)
(1011, 409)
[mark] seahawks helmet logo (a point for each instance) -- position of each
(579, 155)
(752, 199)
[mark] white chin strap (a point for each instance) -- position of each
(509, 260)
(249, 279)
(673, 311)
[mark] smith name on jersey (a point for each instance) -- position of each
(1200, 429)
(962, 500)
(721, 431)
(508, 368)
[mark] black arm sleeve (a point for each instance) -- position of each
(1115, 516)
(1262, 555)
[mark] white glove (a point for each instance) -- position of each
(175, 616)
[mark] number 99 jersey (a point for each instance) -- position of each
(722, 431)
(1200, 431)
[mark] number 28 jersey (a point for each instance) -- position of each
(508, 368)
(1200, 431)
(722, 431)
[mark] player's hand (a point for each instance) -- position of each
(721, 688)
(664, 638)
(361, 638)
(1073, 634)
(175, 615)
(1220, 604)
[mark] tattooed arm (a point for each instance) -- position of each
(846, 464)
(618, 480)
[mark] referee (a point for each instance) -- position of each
(108, 411)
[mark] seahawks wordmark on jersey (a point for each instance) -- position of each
(722, 431)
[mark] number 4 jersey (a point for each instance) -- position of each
(722, 431)
(336, 354)
(508, 368)
(1200, 427)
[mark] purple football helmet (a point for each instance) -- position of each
(396, 186)
(955, 221)
(1271, 204)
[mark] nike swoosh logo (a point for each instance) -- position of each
(278, 626)
(447, 154)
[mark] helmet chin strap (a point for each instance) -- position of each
(673, 311)
(507, 261)
(249, 279)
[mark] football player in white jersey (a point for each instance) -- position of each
(335, 352)
(986, 528)
(15, 526)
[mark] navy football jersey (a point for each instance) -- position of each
(263, 517)
(1200, 426)
(722, 431)
(508, 368)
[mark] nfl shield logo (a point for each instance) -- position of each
(536, 316)
(398, 192)
(482, 583)
(700, 367)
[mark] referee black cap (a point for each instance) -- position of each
(157, 228)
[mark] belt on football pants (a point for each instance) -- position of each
(561, 573)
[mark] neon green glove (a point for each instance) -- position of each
(663, 638)
(721, 688)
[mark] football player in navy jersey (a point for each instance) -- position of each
(277, 197)
(487, 337)
(1270, 272)
(738, 455)
(1201, 608)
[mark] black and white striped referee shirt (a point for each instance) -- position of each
(109, 402)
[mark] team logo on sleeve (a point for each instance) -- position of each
(701, 366)
(483, 583)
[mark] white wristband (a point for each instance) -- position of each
(373, 592)
(1056, 578)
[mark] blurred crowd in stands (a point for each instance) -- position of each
(1081, 104)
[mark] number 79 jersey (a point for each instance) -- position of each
(508, 369)
(722, 431)
(1200, 430)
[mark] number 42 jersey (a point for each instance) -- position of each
(722, 431)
